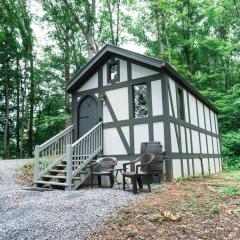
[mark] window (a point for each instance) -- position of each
(180, 100)
(113, 72)
(140, 101)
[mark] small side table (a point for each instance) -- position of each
(119, 170)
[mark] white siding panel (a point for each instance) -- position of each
(174, 98)
(183, 140)
(177, 172)
(195, 142)
(158, 133)
(123, 71)
(111, 147)
(186, 105)
(190, 167)
(212, 167)
(219, 150)
(197, 166)
(125, 130)
(207, 116)
(215, 146)
(91, 83)
(139, 71)
(118, 99)
(106, 114)
(188, 141)
(141, 134)
(174, 142)
(157, 107)
(210, 146)
(203, 142)
(220, 164)
(193, 110)
(105, 75)
(212, 121)
(216, 122)
(205, 166)
(217, 165)
(201, 115)
(185, 167)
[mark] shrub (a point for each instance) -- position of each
(231, 150)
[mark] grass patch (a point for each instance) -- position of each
(157, 217)
(215, 209)
(230, 191)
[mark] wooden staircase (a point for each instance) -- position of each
(61, 164)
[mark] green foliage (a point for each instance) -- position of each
(230, 191)
(231, 150)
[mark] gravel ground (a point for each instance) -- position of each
(31, 214)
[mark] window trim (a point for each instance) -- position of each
(179, 103)
(109, 74)
(133, 101)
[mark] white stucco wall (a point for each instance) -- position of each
(183, 139)
(112, 143)
(158, 133)
(174, 142)
(139, 71)
(193, 110)
(90, 84)
(203, 142)
(173, 112)
(210, 145)
(141, 134)
(207, 116)
(185, 167)
(177, 172)
(197, 166)
(201, 115)
(186, 105)
(195, 142)
(118, 99)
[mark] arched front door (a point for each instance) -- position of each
(87, 115)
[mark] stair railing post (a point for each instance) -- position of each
(36, 163)
(69, 166)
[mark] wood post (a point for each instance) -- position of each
(69, 166)
(36, 163)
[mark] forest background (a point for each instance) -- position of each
(200, 38)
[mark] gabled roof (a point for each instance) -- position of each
(108, 50)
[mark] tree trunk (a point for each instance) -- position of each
(67, 68)
(18, 110)
(6, 124)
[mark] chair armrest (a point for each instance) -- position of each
(141, 165)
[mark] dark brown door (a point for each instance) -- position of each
(87, 115)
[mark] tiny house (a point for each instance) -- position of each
(138, 99)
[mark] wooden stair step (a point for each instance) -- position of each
(60, 165)
(57, 171)
(54, 176)
(51, 183)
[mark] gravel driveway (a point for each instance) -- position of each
(31, 214)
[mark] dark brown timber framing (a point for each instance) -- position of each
(110, 52)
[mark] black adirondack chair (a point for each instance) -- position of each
(103, 167)
(141, 170)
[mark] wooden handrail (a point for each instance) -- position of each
(86, 134)
(55, 138)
